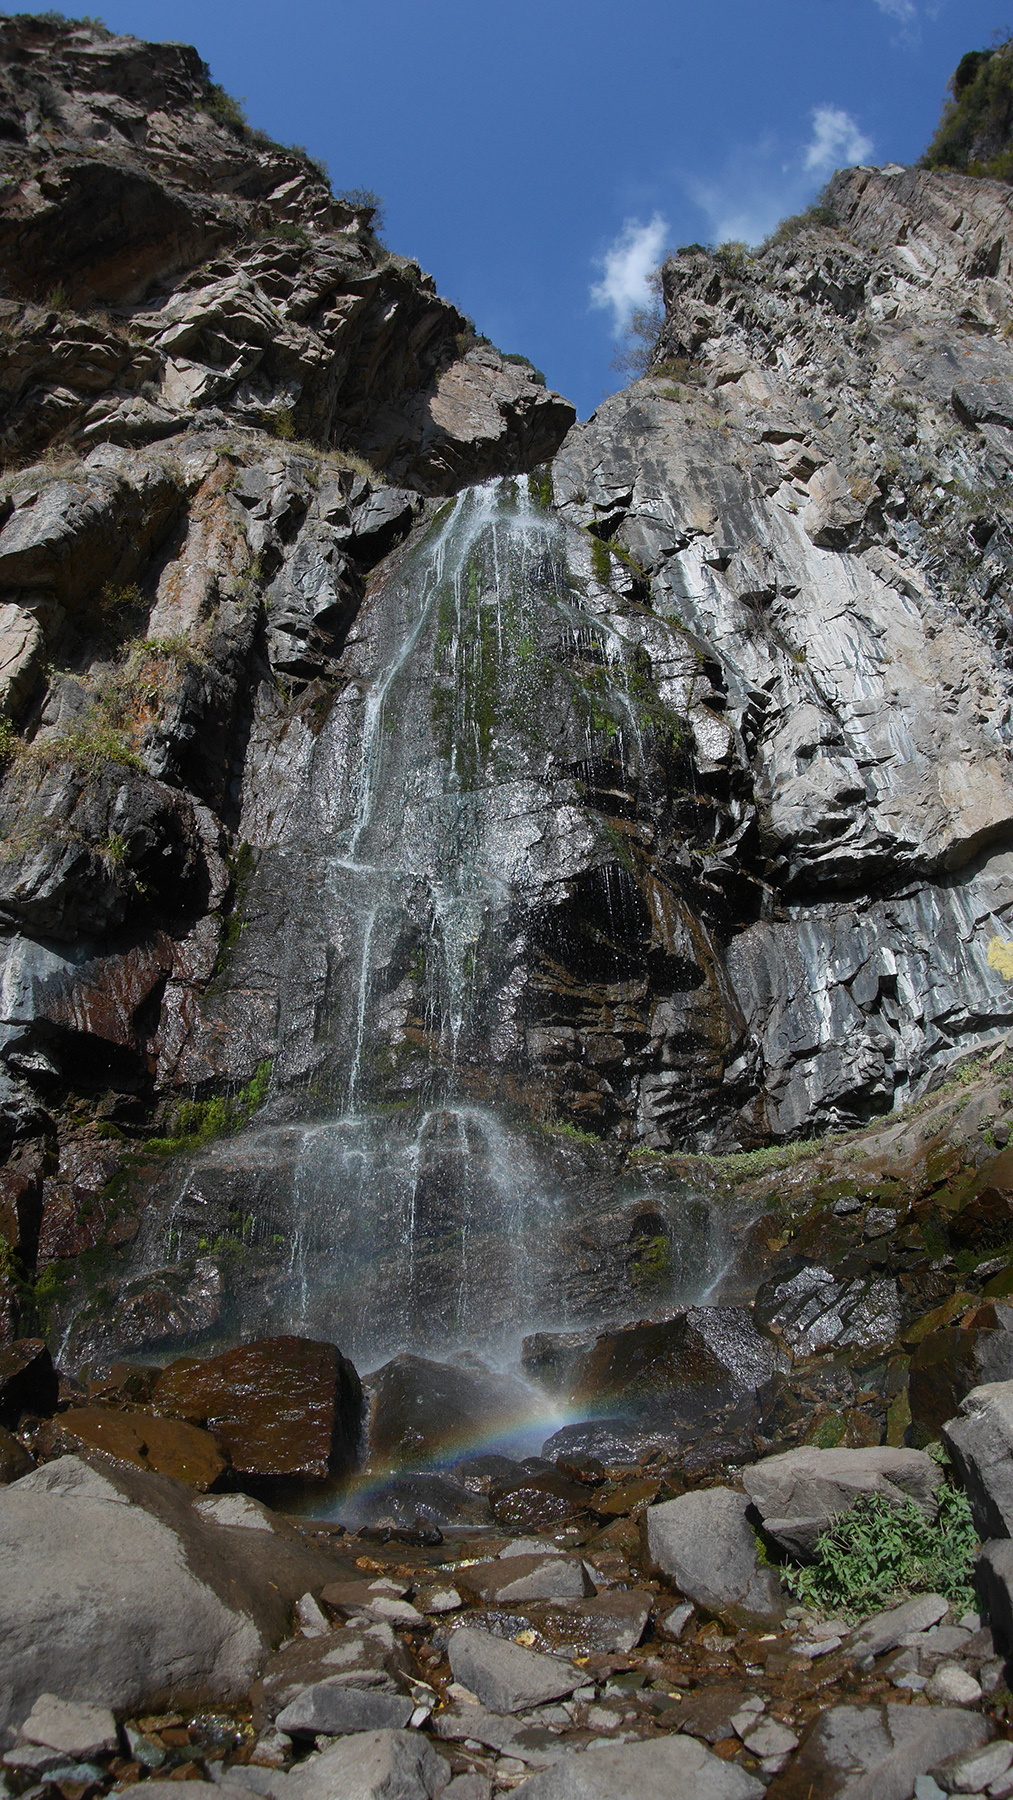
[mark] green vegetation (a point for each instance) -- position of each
(819, 215)
(877, 1554)
(975, 131)
(651, 1262)
(195, 1122)
(540, 486)
(362, 199)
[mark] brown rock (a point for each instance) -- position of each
(947, 1364)
(540, 1500)
(284, 1406)
(170, 1446)
(14, 1458)
(28, 1381)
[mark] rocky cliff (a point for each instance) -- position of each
(664, 794)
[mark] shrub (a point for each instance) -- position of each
(977, 122)
(224, 109)
(876, 1554)
(362, 199)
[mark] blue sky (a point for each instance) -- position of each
(533, 152)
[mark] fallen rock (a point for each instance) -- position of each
(704, 1544)
(679, 1368)
(14, 1458)
(972, 1771)
(280, 1407)
(334, 1708)
(508, 1579)
(888, 1629)
(419, 1407)
(75, 1728)
(168, 1446)
(670, 1768)
(505, 1677)
(114, 1590)
(799, 1494)
(28, 1381)
(875, 1752)
(371, 1765)
(360, 1655)
(981, 1444)
(947, 1364)
(993, 1574)
(615, 1621)
(953, 1686)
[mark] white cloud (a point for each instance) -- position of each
(628, 264)
(904, 11)
(836, 140)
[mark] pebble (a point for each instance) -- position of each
(771, 1739)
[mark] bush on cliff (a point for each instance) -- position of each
(975, 134)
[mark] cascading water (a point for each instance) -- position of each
(398, 1190)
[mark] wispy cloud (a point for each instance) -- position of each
(627, 266)
(904, 11)
(760, 185)
(836, 139)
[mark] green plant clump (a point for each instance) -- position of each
(976, 128)
(877, 1554)
(196, 1122)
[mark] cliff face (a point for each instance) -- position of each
(669, 796)
(816, 483)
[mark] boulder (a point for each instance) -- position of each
(509, 1579)
(28, 1380)
(539, 1500)
(705, 1546)
(169, 1446)
(669, 1768)
(993, 1576)
(14, 1458)
(114, 1590)
(613, 1621)
(505, 1677)
(420, 1408)
(876, 1752)
(948, 1363)
(359, 1655)
(981, 1444)
(280, 1407)
(682, 1366)
(372, 1765)
(888, 1629)
(333, 1708)
(799, 1494)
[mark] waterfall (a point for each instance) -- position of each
(405, 1186)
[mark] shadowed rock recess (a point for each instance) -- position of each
(531, 904)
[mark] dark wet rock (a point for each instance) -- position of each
(993, 1576)
(413, 1502)
(619, 1442)
(705, 1546)
(333, 1708)
(15, 1460)
(167, 1446)
(117, 1590)
(981, 1444)
(481, 1473)
(506, 1677)
(28, 1381)
(948, 1364)
(378, 1765)
(851, 1752)
(800, 1493)
(681, 1367)
(670, 1768)
(538, 1500)
(281, 1407)
(418, 1408)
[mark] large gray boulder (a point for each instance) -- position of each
(372, 1765)
(981, 1444)
(671, 1768)
(798, 1495)
(876, 1752)
(506, 1678)
(704, 1544)
(994, 1581)
(113, 1589)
